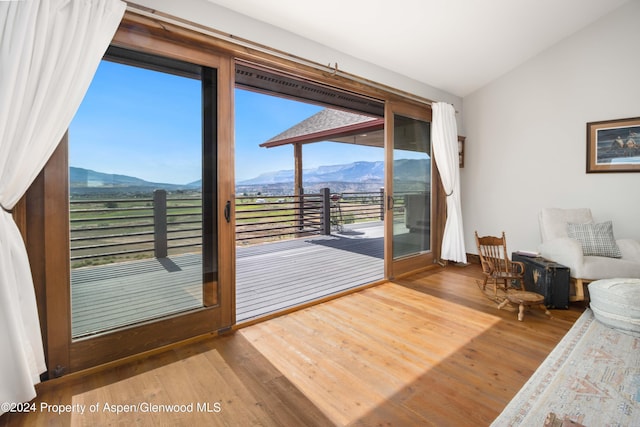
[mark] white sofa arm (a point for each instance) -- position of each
(564, 251)
(630, 249)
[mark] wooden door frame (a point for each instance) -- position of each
(45, 222)
(406, 265)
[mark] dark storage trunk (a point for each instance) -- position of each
(546, 278)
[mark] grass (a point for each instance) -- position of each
(107, 260)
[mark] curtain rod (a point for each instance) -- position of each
(334, 70)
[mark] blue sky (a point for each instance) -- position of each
(147, 124)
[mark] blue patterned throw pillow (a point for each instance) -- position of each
(596, 239)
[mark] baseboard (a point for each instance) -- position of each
(473, 259)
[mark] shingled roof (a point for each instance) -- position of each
(332, 125)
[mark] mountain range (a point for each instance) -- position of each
(404, 169)
(351, 172)
(88, 181)
(356, 176)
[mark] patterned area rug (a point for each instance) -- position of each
(592, 377)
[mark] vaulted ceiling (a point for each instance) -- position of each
(454, 45)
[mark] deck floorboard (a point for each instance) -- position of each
(269, 277)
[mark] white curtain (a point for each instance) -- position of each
(49, 52)
(444, 137)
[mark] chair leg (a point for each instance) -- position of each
(484, 285)
(579, 287)
(545, 309)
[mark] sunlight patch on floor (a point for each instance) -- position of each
(353, 354)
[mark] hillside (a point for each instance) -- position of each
(351, 177)
(352, 172)
(90, 182)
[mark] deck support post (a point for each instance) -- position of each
(298, 188)
(382, 204)
(326, 211)
(160, 223)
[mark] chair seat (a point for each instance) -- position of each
(597, 267)
(507, 275)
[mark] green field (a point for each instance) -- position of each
(118, 229)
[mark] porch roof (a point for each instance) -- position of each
(333, 125)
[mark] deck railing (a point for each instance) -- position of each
(269, 217)
(111, 230)
(358, 207)
(120, 229)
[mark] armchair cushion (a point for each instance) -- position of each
(598, 267)
(564, 251)
(595, 239)
(630, 249)
(553, 221)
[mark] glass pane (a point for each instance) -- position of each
(135, 156)
(411, 186)
(293, 235)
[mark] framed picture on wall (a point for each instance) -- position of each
(461, 150)
(613, 145)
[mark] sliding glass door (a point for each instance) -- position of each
(140, 194)
(409, 195)
(139, 243)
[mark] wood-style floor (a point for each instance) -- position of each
(428, 350)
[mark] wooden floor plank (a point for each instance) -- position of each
(427, 350)
(456, 363)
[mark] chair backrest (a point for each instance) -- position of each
(553, 221)
(493, 253)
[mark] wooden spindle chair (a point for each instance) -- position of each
(496, 264)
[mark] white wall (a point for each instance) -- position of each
(526, 135)
(526, 146)
(230, 22)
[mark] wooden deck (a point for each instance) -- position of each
(270, 277)
(115, 295)
(276, 276)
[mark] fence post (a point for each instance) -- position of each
(300, 209)
(160, 223)
(326, 211)
(382, 204)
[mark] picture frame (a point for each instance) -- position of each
(461, 150)
(613, 145)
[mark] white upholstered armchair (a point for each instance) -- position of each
(570, 237)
